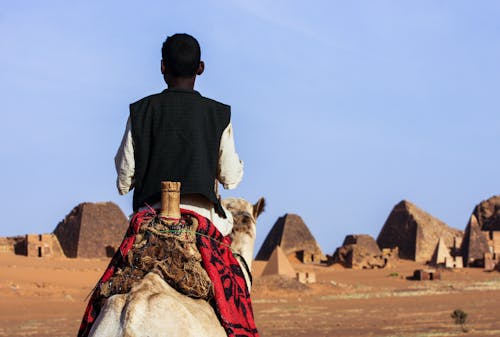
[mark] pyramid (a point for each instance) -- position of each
(278, 264)
(359, 252)
(292, 235)
(487, 213)
(474, 244)
(441, 254)
(415, 232)
(92, 230)
(482, 234)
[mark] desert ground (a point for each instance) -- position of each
(46, 297)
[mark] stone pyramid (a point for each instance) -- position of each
(292, 235)
(92, 230)
(487, 213)
(359, 251)
(441, 254)
(482, 234)
(415, 232)
(474, 244)
(278, 264)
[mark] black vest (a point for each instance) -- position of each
(176, 137)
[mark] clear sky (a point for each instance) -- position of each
(340, 108)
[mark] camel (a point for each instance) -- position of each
(153, 308)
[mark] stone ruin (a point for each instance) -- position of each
(43, 245)
(306, 277)
(14, 245)
(416, 233)
(425, 275)
(481, 241)
(444, 257)
(90, 230)
(360, 252)
(32, 245)
(292, 235)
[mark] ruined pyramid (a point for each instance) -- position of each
(415, 232)
(292, 235)
(92, 230)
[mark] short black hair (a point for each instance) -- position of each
(181, 55)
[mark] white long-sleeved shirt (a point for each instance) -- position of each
(229, 174)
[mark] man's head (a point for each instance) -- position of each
(181, 57)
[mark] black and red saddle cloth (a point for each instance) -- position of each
(232, 302)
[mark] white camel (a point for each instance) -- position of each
(153, 308)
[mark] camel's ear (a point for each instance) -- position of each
(258, 208)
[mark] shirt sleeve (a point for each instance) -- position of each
(230, 170)
(125, 162)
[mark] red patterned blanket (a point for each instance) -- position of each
(232, 299)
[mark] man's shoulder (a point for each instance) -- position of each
(216, 104)
(158, 98)
(147, 99)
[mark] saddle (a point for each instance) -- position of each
(165, 244)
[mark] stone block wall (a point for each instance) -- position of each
(42, 245)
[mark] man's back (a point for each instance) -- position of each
(177, 137)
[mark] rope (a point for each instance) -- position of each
(242, 259)
(197, 233)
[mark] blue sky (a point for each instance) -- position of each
(340, 109)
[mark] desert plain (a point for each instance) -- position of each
(47, 296)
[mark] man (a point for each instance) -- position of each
(179, 135)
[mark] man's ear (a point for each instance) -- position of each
(201, 68)
(162, 67)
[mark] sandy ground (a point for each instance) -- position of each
(46, 297)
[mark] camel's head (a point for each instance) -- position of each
(244, 214)
(245, 217)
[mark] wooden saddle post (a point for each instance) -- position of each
(170, 202)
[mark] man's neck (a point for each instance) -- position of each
(186, 83)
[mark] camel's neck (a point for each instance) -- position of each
(243, 244)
